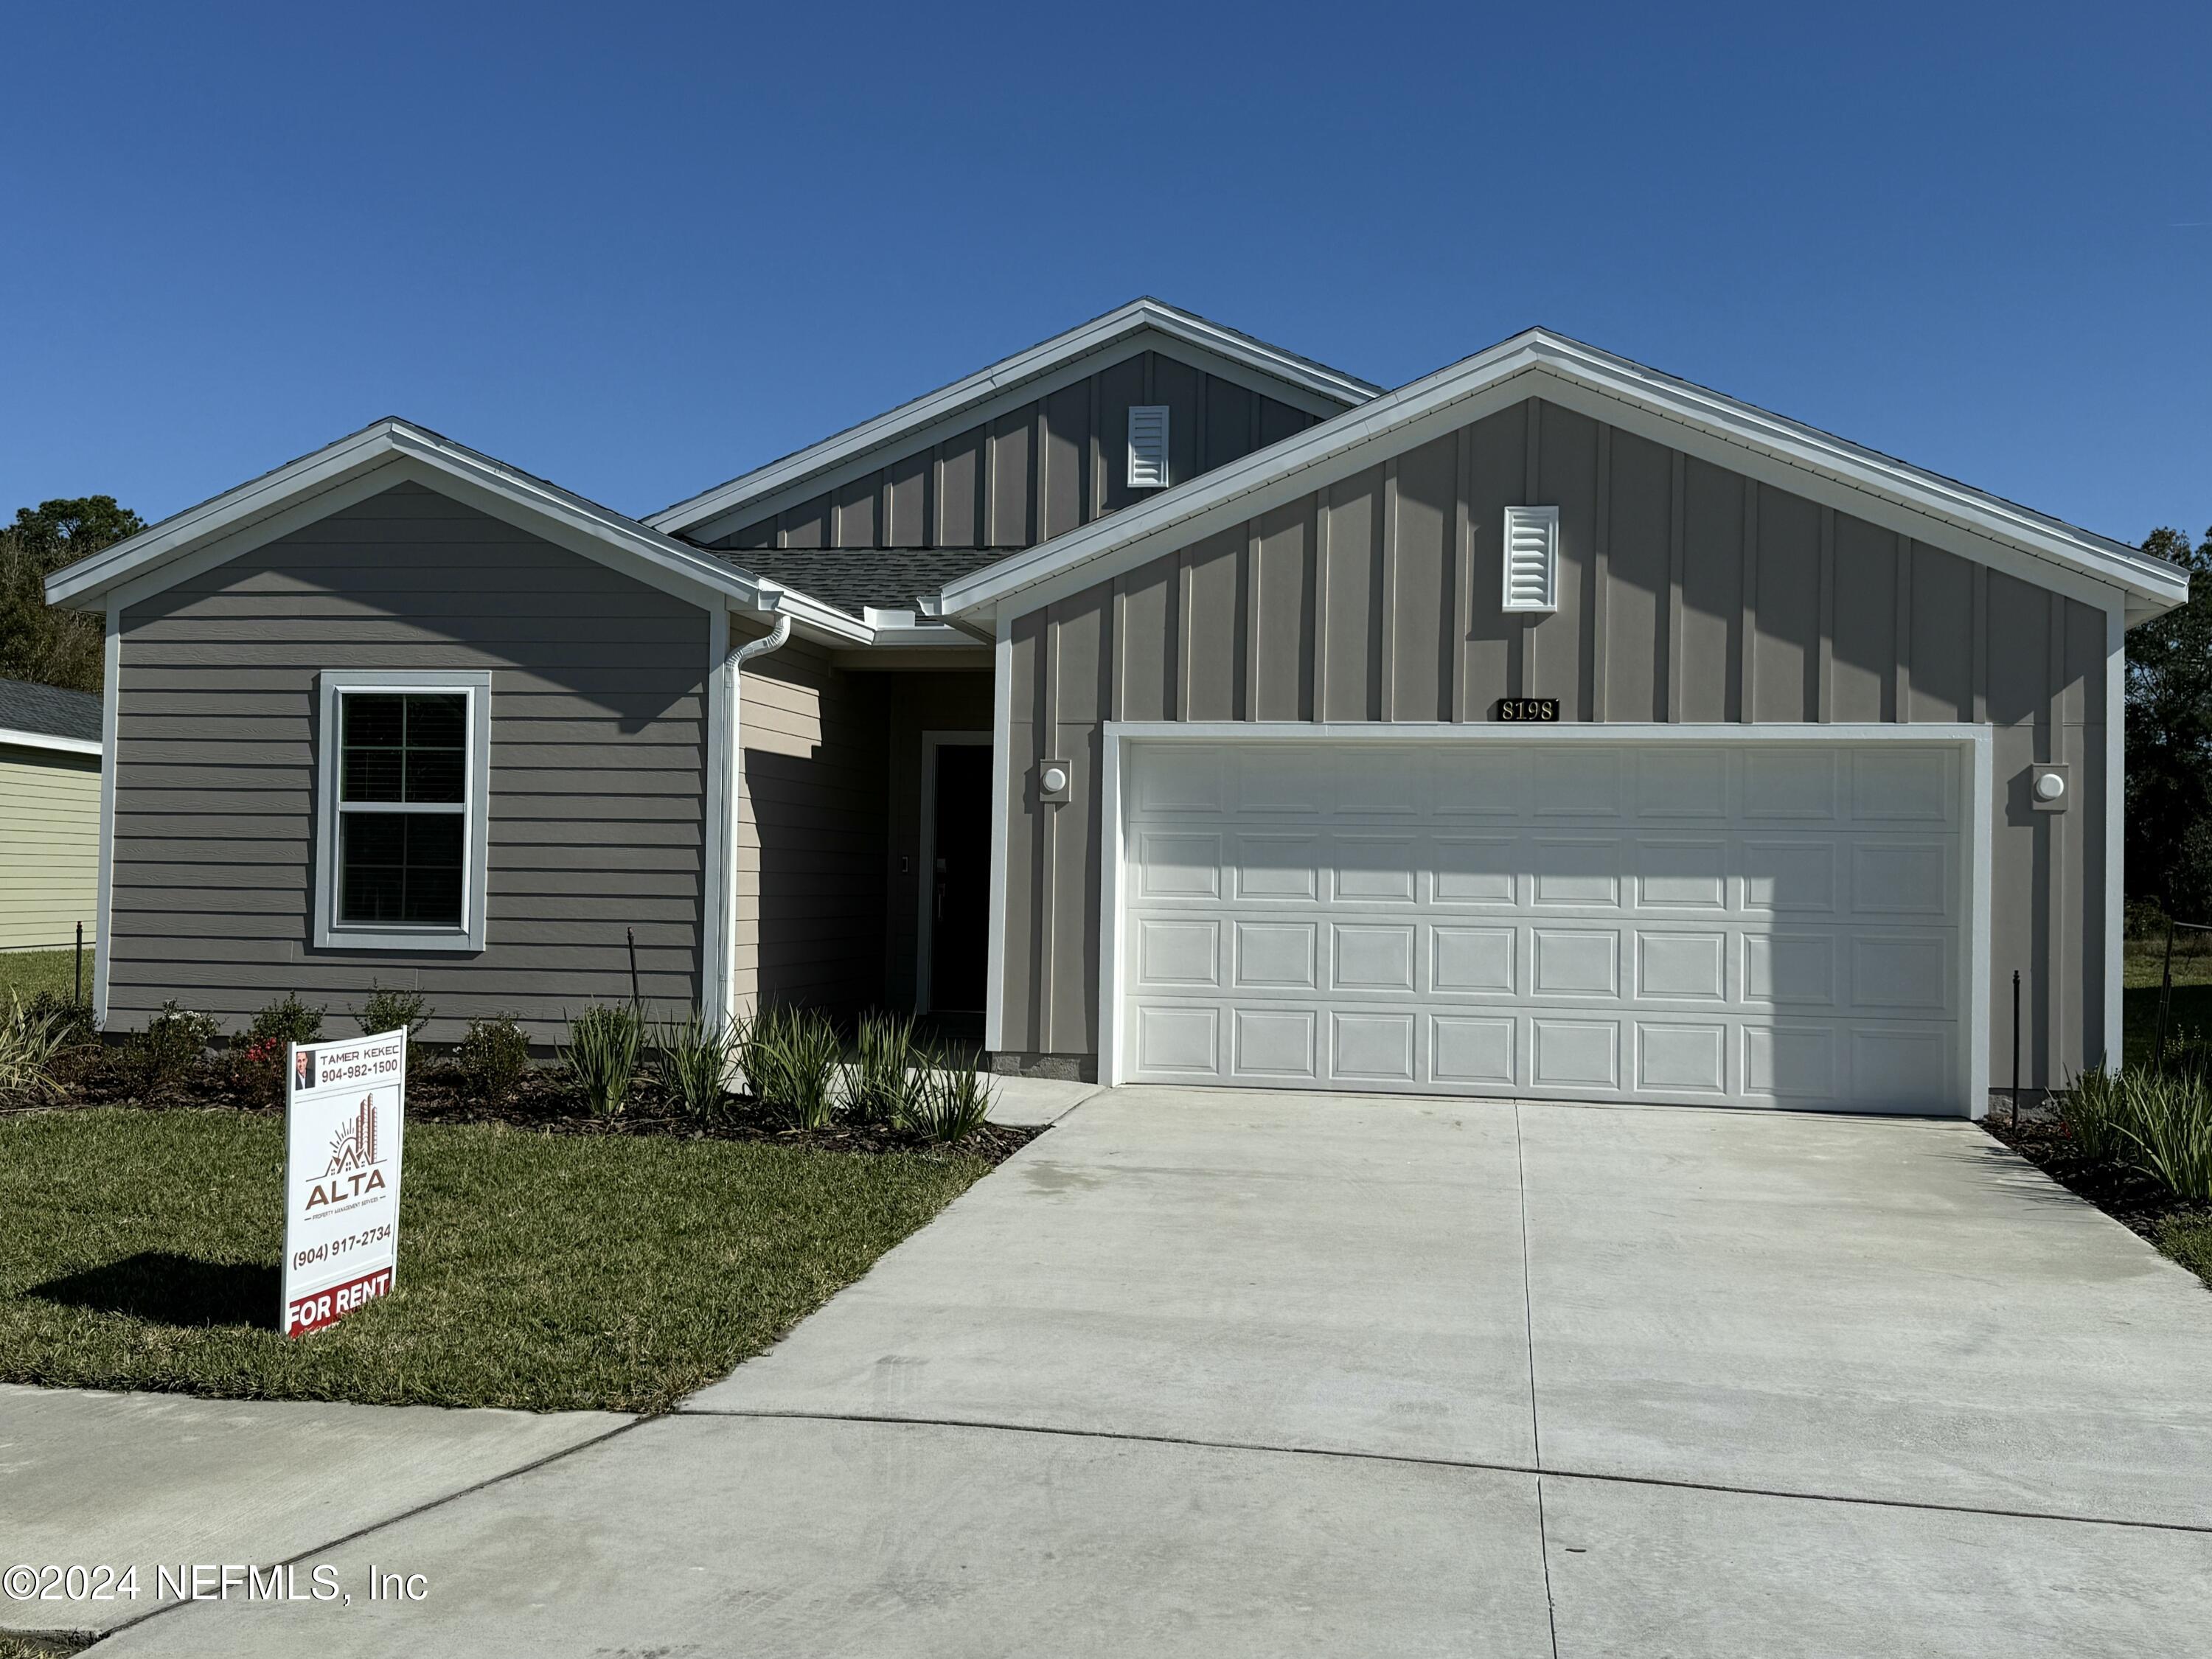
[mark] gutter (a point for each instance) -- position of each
(770, 599)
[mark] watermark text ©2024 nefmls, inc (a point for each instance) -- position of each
(206, 1581)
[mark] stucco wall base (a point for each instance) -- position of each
(1068, 1068)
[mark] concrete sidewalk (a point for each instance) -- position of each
(154, 1480)
(1214, 1374)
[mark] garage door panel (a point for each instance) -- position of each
(1275, 867)
(1372, 1047)
(1600, 922)
(1276, 1043)
(1277, 955)
(1675, 1058)
(1371, 956)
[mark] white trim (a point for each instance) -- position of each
(717, 958)
(1977, 742)
(392, 451)
(16, 739)
(924, 918)
(1538, 363)
(1018, 378)
(111, 698)
(2115, 837)
(331, 932)
(1002, 723)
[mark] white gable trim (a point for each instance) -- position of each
(10, 738)
(392, 451)
(1037, 373)
(1750, 441)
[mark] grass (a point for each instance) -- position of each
(2139, 981)
(33, 971)
(538, 1272)
(2188, 1240)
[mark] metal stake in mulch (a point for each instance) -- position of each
(2015, 1051)
(636, 1002)
(78, 994)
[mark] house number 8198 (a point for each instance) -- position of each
(1528, 709)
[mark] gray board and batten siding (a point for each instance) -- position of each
(1032, 471)
(1686, 593)
(599, 741)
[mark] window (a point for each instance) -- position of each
(1148, 447)
(1532, 558)
(405, 774)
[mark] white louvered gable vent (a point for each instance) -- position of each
(1532, 558)
(1148, 445)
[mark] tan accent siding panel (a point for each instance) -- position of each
(49, 848)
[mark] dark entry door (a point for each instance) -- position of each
(960, 891)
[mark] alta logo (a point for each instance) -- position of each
(353, 1172)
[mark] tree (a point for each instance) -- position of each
(37, 643)
(2169, 743)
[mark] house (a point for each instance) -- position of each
(1191, 711)
(49, 815)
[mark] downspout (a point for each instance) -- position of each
(778, 636)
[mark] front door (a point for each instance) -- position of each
(959, 891)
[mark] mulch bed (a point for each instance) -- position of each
(544, 1102)
(2135, 1201)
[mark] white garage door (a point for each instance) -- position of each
(1762, 922)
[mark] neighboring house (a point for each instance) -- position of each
(1154, 694)
(49, 815)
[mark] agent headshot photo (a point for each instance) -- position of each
(303, 1069)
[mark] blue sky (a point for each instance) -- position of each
(641, 249)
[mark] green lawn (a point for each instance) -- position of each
(139, 1250)
(2139, 980)
(30, 972)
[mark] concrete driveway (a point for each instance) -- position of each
(1214, 1374)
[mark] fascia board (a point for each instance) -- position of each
(1465, 391)
(9, 738)
(389, 453)
(1037, 372)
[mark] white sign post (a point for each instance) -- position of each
(344, 1106)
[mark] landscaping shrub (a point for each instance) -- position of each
(258, 1063)
(791, 1058)
(602, 1054)
(950, 1103)
(2156, 1121)
(175, 1041)
(883, 1078)
(72, 1016)
(695, 1063)
(30, 1038)
(491, 1057)
(389, 1009)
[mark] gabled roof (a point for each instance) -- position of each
(392, 450)
(49, 717)
(1540, 363)
(1332, 388)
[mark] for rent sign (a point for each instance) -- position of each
(344, 1103)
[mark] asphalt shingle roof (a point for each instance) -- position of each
(887, 578)
(49, 711)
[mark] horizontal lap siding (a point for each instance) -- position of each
(1037, 471)
(49, 847)
(812, 789)
(596, 817)
(1686, 593)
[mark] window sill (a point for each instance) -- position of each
(445, 940)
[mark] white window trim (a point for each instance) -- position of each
(330, 933)
(1162, 477)
(1548, 519)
